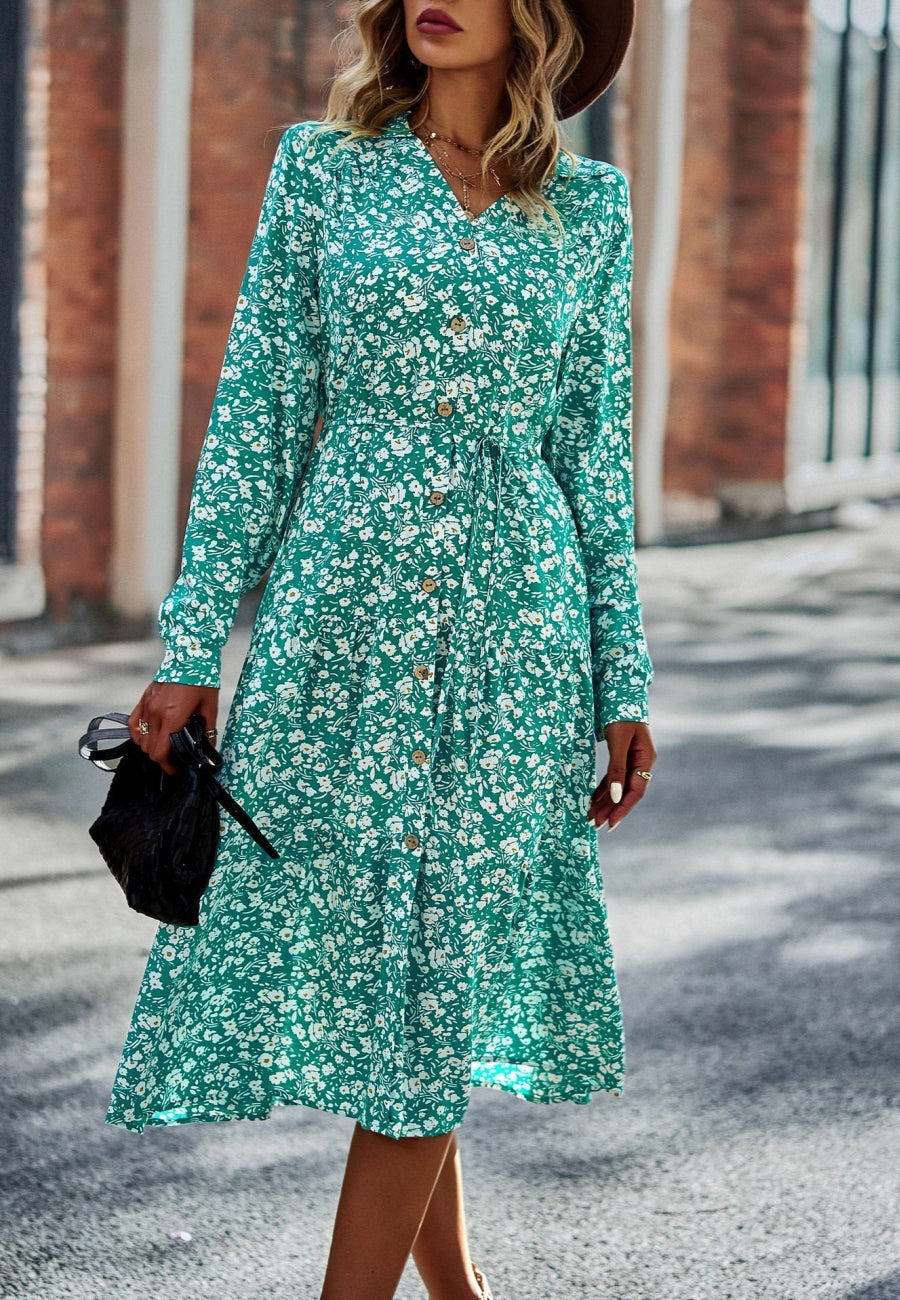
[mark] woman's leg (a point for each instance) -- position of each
(441, 1248)
(385, 1191)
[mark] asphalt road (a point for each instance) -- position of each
(753, 899)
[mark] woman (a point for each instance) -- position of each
(450, 624)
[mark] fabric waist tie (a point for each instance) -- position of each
(488, 473)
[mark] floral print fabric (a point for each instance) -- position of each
(450, 621)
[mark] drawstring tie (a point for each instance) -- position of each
(487, 477)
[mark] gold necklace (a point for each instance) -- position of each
(467, 179)
(435, 135)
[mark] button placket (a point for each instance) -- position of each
(422, 671)
(420, 738)
(418, 783)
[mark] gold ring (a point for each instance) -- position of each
(645, 775)
(143, 727)
(212, 732)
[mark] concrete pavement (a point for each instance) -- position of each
(754, 901)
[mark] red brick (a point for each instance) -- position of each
(85, 40)
(735, 293)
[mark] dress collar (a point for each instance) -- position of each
(398, 125)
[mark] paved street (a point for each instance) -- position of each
(754, 900)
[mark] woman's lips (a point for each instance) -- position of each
(432, 28)
(436, 22)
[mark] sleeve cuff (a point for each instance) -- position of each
(188, 663)
(622, 702)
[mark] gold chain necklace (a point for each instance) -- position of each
(467, 179)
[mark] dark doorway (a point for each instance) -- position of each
(12, 112)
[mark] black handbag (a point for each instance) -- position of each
(157, 832)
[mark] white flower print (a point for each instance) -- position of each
(450, 620)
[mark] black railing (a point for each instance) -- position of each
(881, 101)
(854, 307)
(837, 232)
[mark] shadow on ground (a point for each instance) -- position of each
(754, 903)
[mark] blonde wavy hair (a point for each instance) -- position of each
(377, 77)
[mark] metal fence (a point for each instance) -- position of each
(850, 408)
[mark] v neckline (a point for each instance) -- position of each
(445, 184)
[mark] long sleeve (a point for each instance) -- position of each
(261, 427)
(588, 450)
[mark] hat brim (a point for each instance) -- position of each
(606, 27)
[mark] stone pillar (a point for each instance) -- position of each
(658, 107)
(154, 215)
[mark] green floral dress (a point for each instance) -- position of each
(450, 621)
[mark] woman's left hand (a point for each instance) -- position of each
(630, 750)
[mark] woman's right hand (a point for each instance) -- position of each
(166, 707)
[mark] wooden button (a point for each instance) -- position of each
(445, 408)
(422, 671)
(458, 323)
(411, 841)
(428, 584)
(467, 243)
(419, 756)
(436, 498)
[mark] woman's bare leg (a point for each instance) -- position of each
(441, 1248)
(385, 1191)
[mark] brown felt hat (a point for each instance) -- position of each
(606, 27)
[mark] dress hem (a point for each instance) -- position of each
(199, 1112)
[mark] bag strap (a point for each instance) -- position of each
(89, 743)
(192, 748)
(240, 816)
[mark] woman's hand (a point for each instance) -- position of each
(630, 750)
(166, 707)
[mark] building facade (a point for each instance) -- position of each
(762, 143)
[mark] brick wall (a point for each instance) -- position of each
(735, 287)
(85, 57)
(258, 68)
(771, 38)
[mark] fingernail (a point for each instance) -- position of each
(612, 828)
(615, 791)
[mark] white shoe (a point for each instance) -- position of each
(486, 1292)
